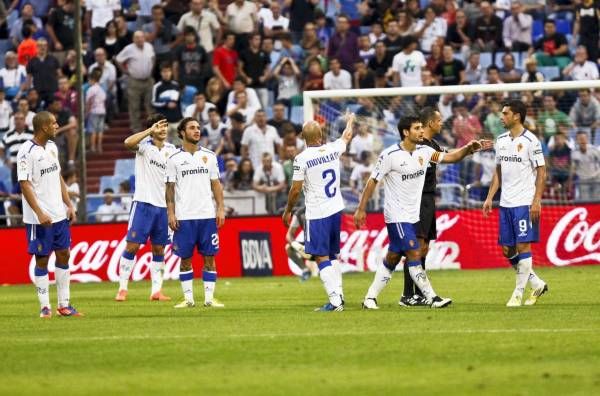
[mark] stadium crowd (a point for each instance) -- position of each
(240, 68)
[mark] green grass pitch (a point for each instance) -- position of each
(267, 341)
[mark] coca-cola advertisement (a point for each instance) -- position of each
(569, 235)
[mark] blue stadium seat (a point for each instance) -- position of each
(549, 72)
(485, 59)
(269, 112)
(5, 45)
(297, 115)
(5, 176)
(187, 96)
(537, 30)
(125, 167)
(563, 26)
(365, 30)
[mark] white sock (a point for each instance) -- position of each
(63, 280)
(534, 280)
(42, 285)
(125, 267)
(330, 282)
(187, 286)
(419, 276)
(210, 282)
(156, 273)
(523, 271)
(337, 266)
(382, 277)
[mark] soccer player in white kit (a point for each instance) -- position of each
(192, 182)
(148, 217)
(317, 171)
(402, 169)
(521, 174)
(47, 211)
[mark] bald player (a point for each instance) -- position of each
(317, 172)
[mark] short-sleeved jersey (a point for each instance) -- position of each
(192, 175)
(150, 167)
(319, 169)
(519, 159)
(403, 175)
(41, 167)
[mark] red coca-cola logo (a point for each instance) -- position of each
(574, 240)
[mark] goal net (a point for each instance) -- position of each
(561, 114)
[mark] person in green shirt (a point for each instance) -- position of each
(493, 123)
(551, 118)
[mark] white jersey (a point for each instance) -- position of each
(150, 166)
(41, 167)
(409, 67)
(403, 176)
(319, 169)
(518, 159)
(192, 175)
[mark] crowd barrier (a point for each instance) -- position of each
(255, 246)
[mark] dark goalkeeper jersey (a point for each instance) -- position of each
(430, 179)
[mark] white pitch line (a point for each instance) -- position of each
(298, 335)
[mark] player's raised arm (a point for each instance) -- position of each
(496, 180)
(348, 131)
(469, 148)
(293, 195)
(133, 141)
(360, 215)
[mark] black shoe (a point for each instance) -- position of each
(408, 301)
(420, 301)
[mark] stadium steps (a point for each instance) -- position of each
(104, 164)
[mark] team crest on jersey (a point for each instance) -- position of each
(175, 247)
(421, 161)
(23, 164)
(53, 154)
(133, 234)
(39, 247)
(322, 151)
(519, 147)
(205, 159)
(411, 243)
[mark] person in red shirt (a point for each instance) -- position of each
(466, 126)
(225, 61)
(27, 50)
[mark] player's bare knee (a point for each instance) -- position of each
(186, 265)
(62, 256)
(424, 249)
(413, 255)
(509, 251)
(523, 248)
(133, 247)
(209, 263)
(41, 261)
(393, 258)
(157, 250)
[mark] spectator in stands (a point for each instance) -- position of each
(124, 35)
(23, 107)
(16, 30)
(241, 20)
(337, 77)
(126, 201)
(314, 80)
(5, 113)
(215, 94)
(42, 72)
(493, 75)
(407, 64)
(288, 164)
(587, 27)
(204, 22)
(483, 171)
(269, 179)
(581, 68)
(67, 129)
(242, 105)
(551, 118)
(275, 23)
(95, 109)
(190, 65)
(376, 34)
(585, 113)
(27, 48)
(435, 57)
(430, 29)
(363, 141)
(346, 168)
(166, 99)
(361, 172)
(363, 76)
(199, 110)
(98, 14)
(69, 67)
(532, 74)
(227, 177)
(488, 29)
(108, 211)
(243, 178)
(560, 161)
(33, 98)
(67, 95)
(508, 72)
(466, 126)
(460, 34)
(380, 64)
(365, 49)
(174, 9)
(233, 136)
(450, 71)
(225, 60)
(288, 77)
(289, 48)
(73, 190)
(406, 23)
(162, 34)
(301, 13)
(516, 31)
(61, 28)
(110, 42)
(393, 41)
(13, 76)
(11, 143)
(309, 37)
(493, 122)
(213, 132)
(552, 49)
(108, 80)
(136, 61)
(253, 67)
(474, 72)
(260, 138)
(280, 119)
(343, 45)
(585, 167)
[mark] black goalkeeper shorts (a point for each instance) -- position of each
(426, 226)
